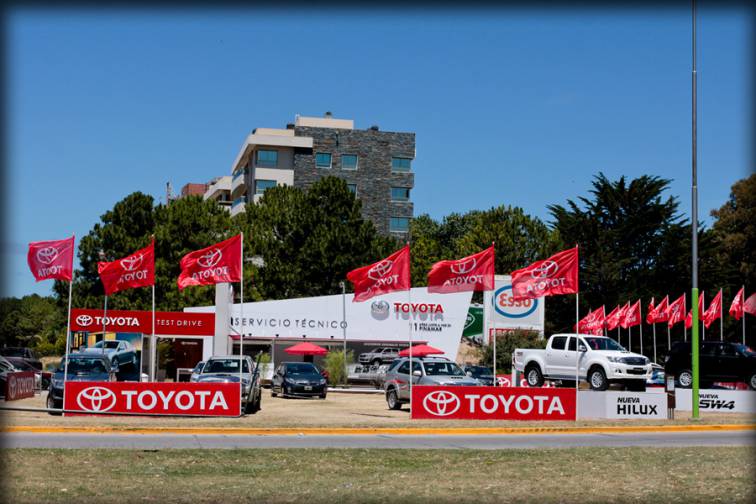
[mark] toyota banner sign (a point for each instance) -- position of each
(492, 403)
(19, 385)
(191, 399)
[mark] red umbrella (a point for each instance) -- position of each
(306, 349)
(420, 351)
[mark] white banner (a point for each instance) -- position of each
(594, 404)
(437, 319)
(510, 314)
(721, 401)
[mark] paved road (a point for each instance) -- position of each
(484, 442)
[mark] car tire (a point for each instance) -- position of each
(533, 376)
(322, 396)
(752, 382)
(52, 405)
(685, 378)
(392, 399)
(116, 364)
(597, 379)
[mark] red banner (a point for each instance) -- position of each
(593, 323)
(211, 265)
(135, 270)
(736, 308)
(387, 275)
(676, 311)
(714, 310)
(632, 316)
(613, 319)
(750, 304)
(204, 399)
(492, 403)
(556, 275)
(51, 260)
(166, 323)
(689, 317)
(472, 273)
(19, 385)
(658, 313)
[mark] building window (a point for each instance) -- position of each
(399, 224)
(263, 185)
(400, 193)
(323, 159)
(267, 158)
(352, 187)
(399, 164)
(348, 162)
(237, 174)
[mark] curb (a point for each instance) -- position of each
(346, 431)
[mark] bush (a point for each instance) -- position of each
(505, 346)
(334, 364)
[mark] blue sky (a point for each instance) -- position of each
(509, 106)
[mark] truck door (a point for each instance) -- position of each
(556, 356)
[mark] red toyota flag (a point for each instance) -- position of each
(593, 323)
(135, 270)
(556, 275)
(676, 311)
(713, 311)
(472, 273)
(387, 275)
(736, 308)
(689, 317)
(632, 316)
(613, 319)
(214, 264)
(750, 304)
(650, 312)
(659, 312)
(51, 260)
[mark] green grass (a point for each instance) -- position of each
(309, 476)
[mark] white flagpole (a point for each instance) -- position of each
(412, 364)
(68, 339)
(640, 310)
(630, 338)
(685, 308)
(343, 328)
(493, 325)
(104, 322)
(577, 351)
(241, 327)
(703, 326)
(742, 314)
(669, 338)
(153, 342)
(721, 315)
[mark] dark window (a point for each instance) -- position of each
(323, 159)
(352, 187)
(400, 193)
(348, 162)
(263, 185)
(399, 224)
(399, 164)
(558, 342)
(267, 158)
(404, 368)
(727, 350)
(709, 348)
(571, 347)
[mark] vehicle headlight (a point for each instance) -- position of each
(648, 361)
(289, 381)
(322, 381)
(614, 359)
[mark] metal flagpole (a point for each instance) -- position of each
(685, 308)
(630, 338)
(694, 226)
(669, 338)
(153, 340)
(577, 351)
(640, 307)
(68, 339)
(703, 326)
(241, 327)
(493, 325)
(412, 364)
(654, 329)
(104, 318)
(721, 322)
(343, 327)
(742, 314)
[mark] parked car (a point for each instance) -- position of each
(121, 353)
(86, 367)
(721, 361)
(196, 371)
(602, 361)
(298, 379)
(23, 353)
(378, 356)
(225, 369)
(657, 376)
(41, 378)
(483, 374)
(425, 371)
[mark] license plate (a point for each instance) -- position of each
(307, 387)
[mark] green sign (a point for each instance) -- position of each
(474, 324)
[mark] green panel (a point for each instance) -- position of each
(474, 323)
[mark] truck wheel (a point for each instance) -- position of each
(51, 405)
(597, 379)
(393, 400)
(685, 378)
(752, 382)
(534, 376)
(636, 385)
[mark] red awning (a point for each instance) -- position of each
(420, 351)
(306, 349)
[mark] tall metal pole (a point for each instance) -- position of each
(743, 314)
(343, 328)
(68, 338)
(153, 341)
(577, 352)
(241, 327)
(721, 316)
(104, 318)
(694, 226)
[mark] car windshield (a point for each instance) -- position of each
(603, 344)
(107, 344)
(442, 368)
(76, 366)
(745, 349)
(303, 368)
(22, 365)
(225, 366)
(14, 352)
(480, 370)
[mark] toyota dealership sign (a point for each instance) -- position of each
(132, 321)
(492, 403)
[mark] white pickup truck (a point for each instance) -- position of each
(601, 361)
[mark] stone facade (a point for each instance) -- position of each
(373, 177)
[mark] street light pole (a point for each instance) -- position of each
(694, 228)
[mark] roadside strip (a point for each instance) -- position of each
(356, 431)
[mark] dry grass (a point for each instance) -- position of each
(580, 475)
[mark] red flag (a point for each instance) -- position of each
(676, 311)
(135, 270)
(689, 317)
(650, 312)
(736, 308)
(613, 319)
(713, 312)
(214, 264)
(556, 275)
(659, 313)
(472, 273)
(387, 275)
(750, 304)
(632, 316)
(51, 260)
(593, 323)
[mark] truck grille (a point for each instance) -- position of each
(634, 361)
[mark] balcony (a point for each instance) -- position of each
(238, 184)
(238, 205)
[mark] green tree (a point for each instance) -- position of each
(32, 321)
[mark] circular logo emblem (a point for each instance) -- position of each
(506, 306)
(546, 270)
(441, 403)
(132, 263)
(96, 399)
(460, 268)
(84, 320)
(504, 381)
(210, 259)
(47, 255)
(470, 320)
(379, 307)
(12, 386)
(380, 270)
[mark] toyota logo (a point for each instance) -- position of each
(546, 270)
(441, 403)
(84, 320)
(96, 399)
(380, 270)
(132, 263)
(47, 255)
(210, 259)
(460, 268)
(12, 385)
(379, 307)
